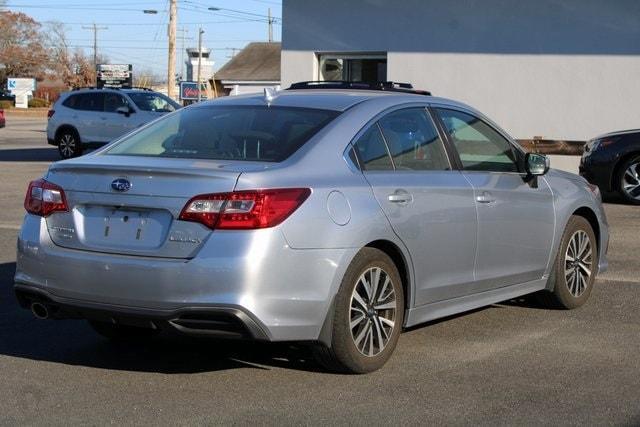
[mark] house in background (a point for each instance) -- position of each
(564, 70)
(255, 67)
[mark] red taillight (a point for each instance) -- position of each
(241, 210)
(43, 198)
(50, 113)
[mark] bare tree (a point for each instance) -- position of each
(22, 47)
(146, 78)
(73, 67)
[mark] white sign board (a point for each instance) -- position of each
(21, 84)
(22, 88)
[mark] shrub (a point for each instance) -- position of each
(38, 103)
(5, 105)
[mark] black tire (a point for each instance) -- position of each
(634, 198)
(122, 333)
(567, 293)
(69, 144)
(343, 355)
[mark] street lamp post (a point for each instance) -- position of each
(268, 18)
(200, 32)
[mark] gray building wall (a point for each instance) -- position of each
(561, 69)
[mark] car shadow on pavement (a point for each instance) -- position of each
(30, 155)
(73, 342)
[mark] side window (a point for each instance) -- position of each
(372, 151)
(71, 101)
(90, 102)
(113, 101)
(413, 141)
(481, 148)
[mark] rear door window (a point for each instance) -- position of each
(255, 133)
(413, 141)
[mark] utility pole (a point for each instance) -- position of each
(171, 71)
(95, 29)
(270, 27)
(200, 32)
(182, 38)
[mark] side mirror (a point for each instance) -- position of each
(536, 164)
(124, 110)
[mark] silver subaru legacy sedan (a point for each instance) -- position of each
(332, 214)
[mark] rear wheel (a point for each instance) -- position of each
(368, 315)
(575, 267)
(124, 333)
(629, 180)
(69, 144)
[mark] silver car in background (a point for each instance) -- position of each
(331, 216)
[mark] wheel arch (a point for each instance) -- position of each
(400, 261)
(588, 214)
(615, 170)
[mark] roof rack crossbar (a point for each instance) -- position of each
(113, 88)
(343, 84)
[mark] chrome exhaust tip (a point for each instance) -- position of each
(40, 311)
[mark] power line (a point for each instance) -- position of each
(117, 9)
(139, 48)
(132, 24)
(216, 40)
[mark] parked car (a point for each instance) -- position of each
(3, 122)
(332, 216)
(7, 96)
(612, 162)
(94, 117)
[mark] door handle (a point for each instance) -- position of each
(400, 196)
(485, 197)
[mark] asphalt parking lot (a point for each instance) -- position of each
(509, 364)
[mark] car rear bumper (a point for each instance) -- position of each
(211, 321)
(287, 292)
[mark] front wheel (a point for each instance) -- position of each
(575, 268)
(368, 315)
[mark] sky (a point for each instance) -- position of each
(138, 38)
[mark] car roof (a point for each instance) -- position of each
(108, 89)
(327, 99)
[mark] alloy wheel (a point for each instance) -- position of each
(372, 311)
(67, 145)
(578, 262)
(631, 181)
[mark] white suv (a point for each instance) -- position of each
(94, 117)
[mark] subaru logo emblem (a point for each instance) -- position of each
(121, 185)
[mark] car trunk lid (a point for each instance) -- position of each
(137, 215)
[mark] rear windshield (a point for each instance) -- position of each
(255, 133)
